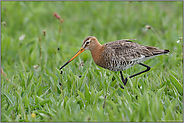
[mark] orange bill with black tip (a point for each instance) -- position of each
(79, 52)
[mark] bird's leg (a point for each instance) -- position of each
(148, 68)
(125, 80)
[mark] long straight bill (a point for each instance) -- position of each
(79, 52)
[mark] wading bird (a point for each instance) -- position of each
(118, 55)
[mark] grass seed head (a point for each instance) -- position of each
(180, 38)
(44, 32)
(148, 27)
(61, 21)
(82, 63)
(56, 15)
(36, 66)
(4, 23)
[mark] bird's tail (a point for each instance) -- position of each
(155, 51)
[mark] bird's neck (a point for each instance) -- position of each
(96, 53)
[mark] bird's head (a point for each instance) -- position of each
(89, 43)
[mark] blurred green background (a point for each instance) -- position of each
(30, 74)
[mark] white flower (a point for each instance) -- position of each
(22, 37)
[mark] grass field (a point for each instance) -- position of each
(30, 75)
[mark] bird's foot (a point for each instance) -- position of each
(121, 86)
(124, 82)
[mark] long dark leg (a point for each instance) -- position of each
(148, 68)
(125, 80)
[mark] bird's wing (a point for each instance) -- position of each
(128, 50)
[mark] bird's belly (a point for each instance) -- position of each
(117, 65)
(120, 67)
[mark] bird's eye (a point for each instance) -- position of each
(87, 42)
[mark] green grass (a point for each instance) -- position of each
(33, 94)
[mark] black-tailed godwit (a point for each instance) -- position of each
(118, 55)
